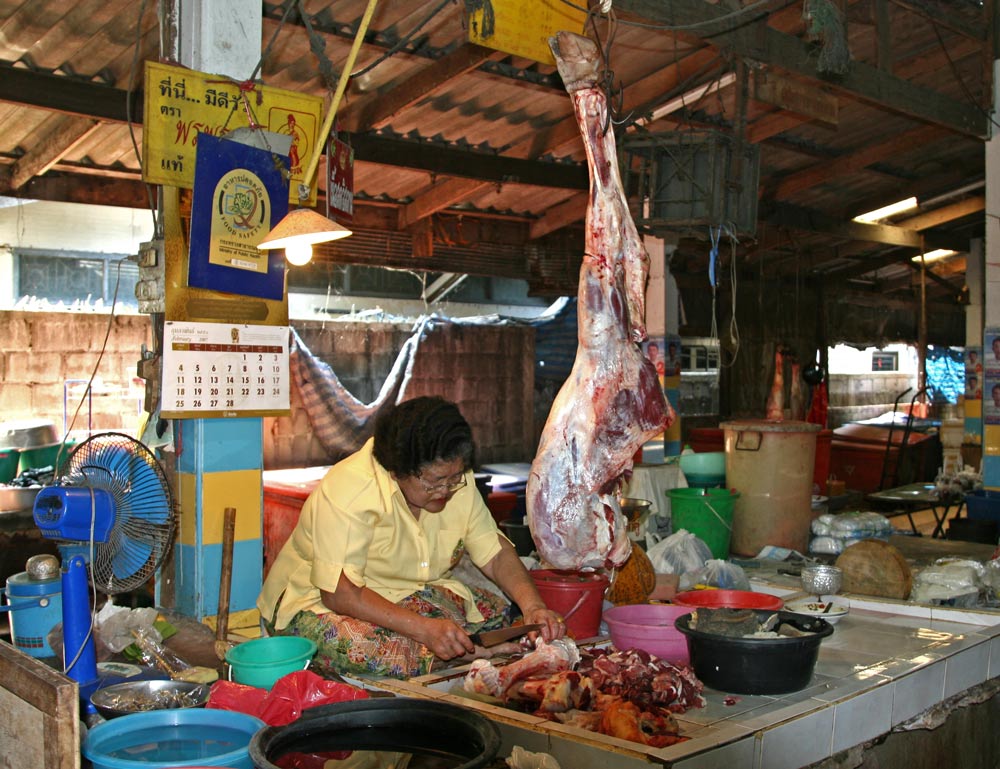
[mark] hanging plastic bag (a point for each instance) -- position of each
(681, 552)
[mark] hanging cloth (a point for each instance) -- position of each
(819, 406)
(340, 421)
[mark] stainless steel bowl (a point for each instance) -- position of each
(139, 696)
(822, 580)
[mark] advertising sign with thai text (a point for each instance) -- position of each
(340, 181)
(181, 104)
(522, 27)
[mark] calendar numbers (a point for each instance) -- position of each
(219, 369)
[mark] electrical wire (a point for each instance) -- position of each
(97, 364)
(958, 76)
(696, 24)
(133, 67)
(403, 41)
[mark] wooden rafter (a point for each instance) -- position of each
(760, 42)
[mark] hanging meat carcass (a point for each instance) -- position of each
(612, 401)
(776, 397)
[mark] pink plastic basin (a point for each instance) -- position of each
(650, 627)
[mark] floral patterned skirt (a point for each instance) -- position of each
(354, 647)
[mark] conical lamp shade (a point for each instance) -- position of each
(303, 226)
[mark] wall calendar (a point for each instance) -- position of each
(224, 370)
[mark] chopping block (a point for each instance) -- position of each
(874, 567)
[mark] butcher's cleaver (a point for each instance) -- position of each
(494, 637)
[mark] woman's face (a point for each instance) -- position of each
(436, 483)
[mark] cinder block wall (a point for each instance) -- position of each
(41, 352)
(487, 370)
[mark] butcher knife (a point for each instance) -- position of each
(493, 637)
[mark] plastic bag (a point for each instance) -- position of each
(949, 581)
(284, 703)
(681, 552)
(154, 654)
(716, 573)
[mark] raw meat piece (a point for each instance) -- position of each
(797, 395)
(650, 726)
(557, 693)
(645, 680)
(612, 401)
(776, 398)
(546, 659)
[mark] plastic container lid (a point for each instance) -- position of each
(771, 426)
(21, 584)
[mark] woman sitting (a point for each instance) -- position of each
(366, 573)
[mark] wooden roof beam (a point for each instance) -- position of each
(376, 109)
(798, 181)
(945, 214)
(756, 40)
(65, 133)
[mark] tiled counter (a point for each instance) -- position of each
(885, 663)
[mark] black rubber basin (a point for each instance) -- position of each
(756, 665)
(462, 739)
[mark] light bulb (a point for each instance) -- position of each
(298, 253)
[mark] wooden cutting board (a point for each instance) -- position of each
(874, 567)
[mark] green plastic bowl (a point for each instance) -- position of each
(707, 467)
(263, 661)
(9, 459)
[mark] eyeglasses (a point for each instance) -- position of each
(446, 485)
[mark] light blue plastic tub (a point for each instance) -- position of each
(163, 739)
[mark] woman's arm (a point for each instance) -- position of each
(507, 571)
(442, 636)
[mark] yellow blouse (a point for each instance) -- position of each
(356, 522)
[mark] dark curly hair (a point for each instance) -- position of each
(417, 432)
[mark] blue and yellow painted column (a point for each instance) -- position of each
(219, 465)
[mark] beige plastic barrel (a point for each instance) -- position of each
(770, 463)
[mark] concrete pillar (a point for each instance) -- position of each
(662, 302)
(974, 322)
(991, 306)
(219, 461)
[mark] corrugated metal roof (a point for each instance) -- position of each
(935, 71)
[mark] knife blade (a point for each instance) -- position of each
(493, 637)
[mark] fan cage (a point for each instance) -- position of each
(144, 516)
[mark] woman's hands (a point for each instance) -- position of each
(553, 625)
(444, 638)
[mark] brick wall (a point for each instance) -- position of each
(487, 370)
(42, 353)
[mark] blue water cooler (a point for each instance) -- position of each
(35, 606)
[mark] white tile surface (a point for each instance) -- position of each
(862, 718)
(735, 755)
(966, 668)
(917, 691)
(798, 742)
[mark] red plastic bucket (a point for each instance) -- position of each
(577, 595)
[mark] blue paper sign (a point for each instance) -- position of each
(240, 193)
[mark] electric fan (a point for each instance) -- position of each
(113, 499)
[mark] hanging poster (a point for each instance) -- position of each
(973, 373)
(224, 370)
(182, 105)
(239, 195)
(991, 377)
(340, 181)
